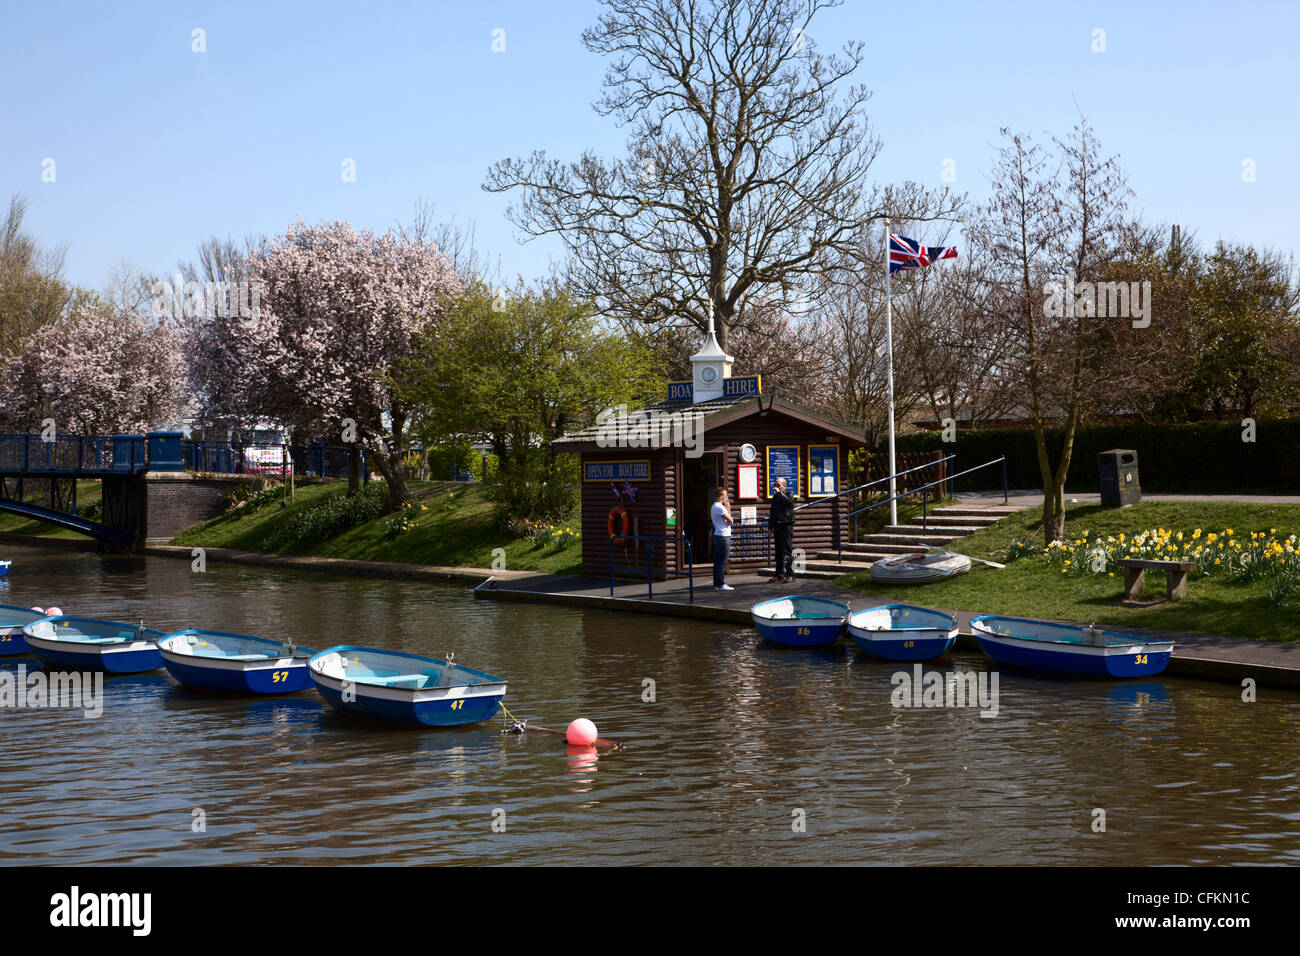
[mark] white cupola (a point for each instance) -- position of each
(711, 365)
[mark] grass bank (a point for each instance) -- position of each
(1034, 585)
(450, 524)
(88, 505)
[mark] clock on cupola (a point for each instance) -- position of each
(711, 365)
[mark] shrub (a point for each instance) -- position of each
(1022, 548)
(249, 495)
(1284, 585)
(328, 518)
(404, 520)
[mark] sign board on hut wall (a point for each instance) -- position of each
(783, 461)
(616, 470)
(749, 514)
(823, 470)
(747, 484)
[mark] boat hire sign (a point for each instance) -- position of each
(616, 470)
(739, 387)
(783, 462)
(736, 387)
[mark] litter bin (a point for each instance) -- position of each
(1119, 477)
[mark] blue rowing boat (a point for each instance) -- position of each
(4, 568)
(404, 688)
(798, 621)
(83, 643)
(903, 632)
(1068, 648)
(12, 621)
(235, 663)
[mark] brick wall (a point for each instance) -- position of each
(174, 502)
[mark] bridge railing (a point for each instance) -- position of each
(235, 458)
(73, 454)
(96, 455)
(327, 461)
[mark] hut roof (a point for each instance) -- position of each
(715, 412)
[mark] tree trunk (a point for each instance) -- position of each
(354, 468)
(392, 464)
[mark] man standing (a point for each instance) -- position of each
(721, 515)
(781, 516)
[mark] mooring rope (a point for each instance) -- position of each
(512, 724)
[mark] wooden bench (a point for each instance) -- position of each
(1135, 572)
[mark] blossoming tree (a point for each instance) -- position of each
(339, 309)
(97, 370)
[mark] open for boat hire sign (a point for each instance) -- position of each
(783, 462)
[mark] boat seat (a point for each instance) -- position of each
(396, 679)
(106, 640)
(244, 657)
(783, 610)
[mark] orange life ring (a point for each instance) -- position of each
(618, 511)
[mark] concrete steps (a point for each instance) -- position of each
(906, 536)
(853, 557)
(862, 547)
(944, 526)
(960, 512)
(961, 521)
(959, 531)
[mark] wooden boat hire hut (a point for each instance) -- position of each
(648, 476)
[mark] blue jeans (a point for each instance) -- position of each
(721, 551)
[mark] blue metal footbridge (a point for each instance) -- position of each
(123, 464)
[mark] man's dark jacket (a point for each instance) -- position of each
(782, 510)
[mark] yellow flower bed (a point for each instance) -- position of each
(1214, 552)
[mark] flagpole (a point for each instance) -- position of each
(889, 358)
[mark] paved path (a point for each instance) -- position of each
(1198, 655)
(1034, 499)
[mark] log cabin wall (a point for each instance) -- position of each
(814, 528)
(647, 515)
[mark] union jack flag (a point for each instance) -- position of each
(907, 253)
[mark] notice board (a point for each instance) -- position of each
(783, 461)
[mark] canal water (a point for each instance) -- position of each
(746, 754)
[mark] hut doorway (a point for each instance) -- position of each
(699, 479)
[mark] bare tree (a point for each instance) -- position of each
(747, 162)
(456, 241)
(1055, 218)
(32, 291)
(957, 352)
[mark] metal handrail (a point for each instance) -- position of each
(898, 474)
(923, 488)
(649, 568)
(71, 454)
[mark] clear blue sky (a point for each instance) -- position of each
(157, 146)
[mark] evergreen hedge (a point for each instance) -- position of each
(1201, 457)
